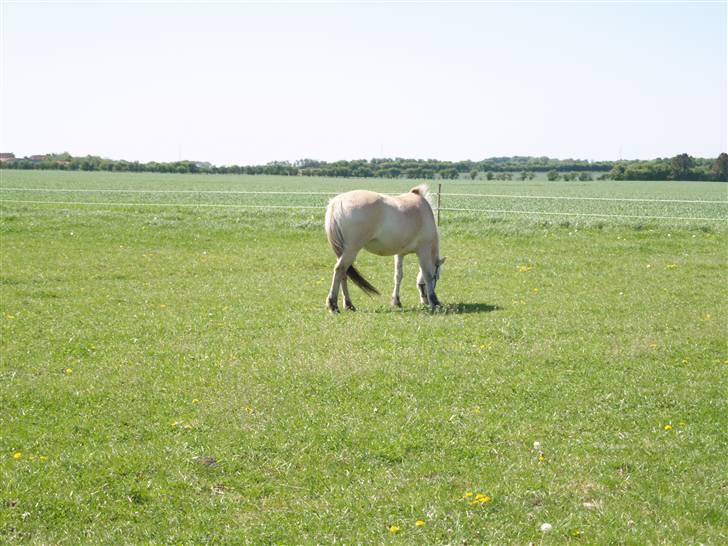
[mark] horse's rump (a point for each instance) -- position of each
(336, 240)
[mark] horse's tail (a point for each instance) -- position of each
(336, 240)
(361, 282)
(333, 231)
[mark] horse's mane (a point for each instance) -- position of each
(423, 191)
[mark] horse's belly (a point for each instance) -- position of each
(386, 248)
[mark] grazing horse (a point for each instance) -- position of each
(386, 226)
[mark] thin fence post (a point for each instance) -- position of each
(439, 189)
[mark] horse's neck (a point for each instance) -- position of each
(435, 249)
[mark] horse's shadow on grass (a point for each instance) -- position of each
(468, 308)
(445, 309)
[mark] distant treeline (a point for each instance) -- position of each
(680, 167)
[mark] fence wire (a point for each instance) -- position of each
(649, 209)
(448, 194)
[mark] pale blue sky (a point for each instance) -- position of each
(253, 82)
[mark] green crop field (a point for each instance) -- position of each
(169, 373)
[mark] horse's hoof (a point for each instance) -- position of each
(350, 307)
(331, 306)
(396, 302)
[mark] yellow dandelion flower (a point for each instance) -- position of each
(17, 455)
(394, 529)
(668, 427)
(68, 371)
(43, 458)
(31, 457)
(467, 495)
(524, 268)
(541, 457)
(420, 523)
(195, 401)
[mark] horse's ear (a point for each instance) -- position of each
(442, 260)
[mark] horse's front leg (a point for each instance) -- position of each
(421, 288)
(426, 276)
(398, 272)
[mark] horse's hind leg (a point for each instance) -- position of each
(398, 271)
(347, 300)
(342, 265)
(331, 299)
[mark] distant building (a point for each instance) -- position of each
(38, 158)
(6, 157)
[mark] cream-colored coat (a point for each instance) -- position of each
(386, 226)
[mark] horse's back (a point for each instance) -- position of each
(356, 199)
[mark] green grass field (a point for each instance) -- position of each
(169, 372)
